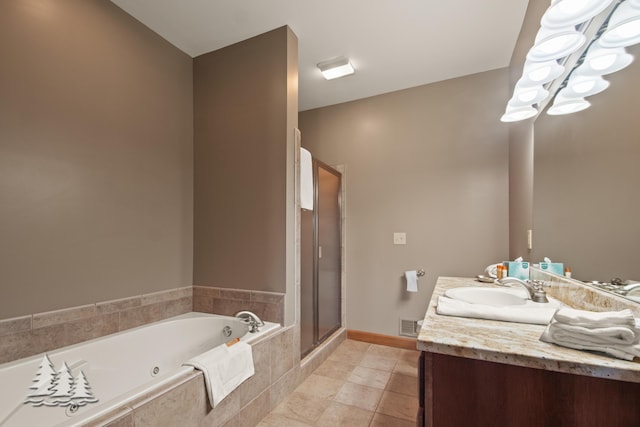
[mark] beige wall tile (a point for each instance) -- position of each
(15, 324)
(282, 350)
(261, 380)
(40, 320)
(228, 307)
(24, 344)
(206, 291)
(118, 305)
(93, 327)
(257, 409)
(235, 294)
(285, 385)
(168, 295)
(267, 297)
(268, 312)
(182, 405)
(202, 304)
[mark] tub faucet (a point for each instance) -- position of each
(250, 319)
(533, 287)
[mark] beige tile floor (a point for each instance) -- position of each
(360, 384)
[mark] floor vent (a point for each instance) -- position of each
(408, 328)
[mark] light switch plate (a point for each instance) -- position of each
(399, 238)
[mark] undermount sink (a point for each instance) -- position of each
(489, 296)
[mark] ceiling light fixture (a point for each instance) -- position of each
(624, 26)
(558, 64)
(335, 68)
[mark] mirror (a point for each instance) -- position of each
(586, 196)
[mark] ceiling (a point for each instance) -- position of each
(392, 44)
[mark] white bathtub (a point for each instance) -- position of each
(118, 368)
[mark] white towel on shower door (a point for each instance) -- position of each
(224, 369)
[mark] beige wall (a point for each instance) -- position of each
(521, 142)
(95, 157)
(242, 129)
(431, 161)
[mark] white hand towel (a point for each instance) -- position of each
(625, 352)
(224, 368)
(610, 335)
(491, 271)
(534, 315)
(412, 280)
(591, 319)
(306, 180)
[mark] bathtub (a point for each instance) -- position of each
(117, 369)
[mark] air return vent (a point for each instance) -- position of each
(408, 328)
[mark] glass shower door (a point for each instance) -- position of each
(329, 258)
(321, 257)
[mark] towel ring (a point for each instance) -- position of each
(420, 273)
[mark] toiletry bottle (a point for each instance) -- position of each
(567, 272)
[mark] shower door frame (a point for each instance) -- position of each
(317, 339)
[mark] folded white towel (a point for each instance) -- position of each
(610, 335)
(591, 319)
(306, 179)
(625, 352)
(534, 315)
(224, 368)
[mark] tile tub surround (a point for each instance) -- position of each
(267, 305)
(185, 402)
(33, 334)
(37, 333)
(510, 343)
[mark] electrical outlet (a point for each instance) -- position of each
(399, 238)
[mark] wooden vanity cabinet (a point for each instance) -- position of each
(460, 392)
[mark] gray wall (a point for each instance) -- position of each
(242, 127)
(95, 157)
(431, 161)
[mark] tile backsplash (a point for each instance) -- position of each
(37, 333)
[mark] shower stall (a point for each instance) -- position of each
(321, 260)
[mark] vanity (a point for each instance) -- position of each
(476, 372)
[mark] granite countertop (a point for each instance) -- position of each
(512, 343)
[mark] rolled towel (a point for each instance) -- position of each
(591, 319)
(625, 352)
(610, 335)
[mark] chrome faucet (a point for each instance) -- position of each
(250, 319)
(533, 287)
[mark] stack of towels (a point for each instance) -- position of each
(616, 333)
